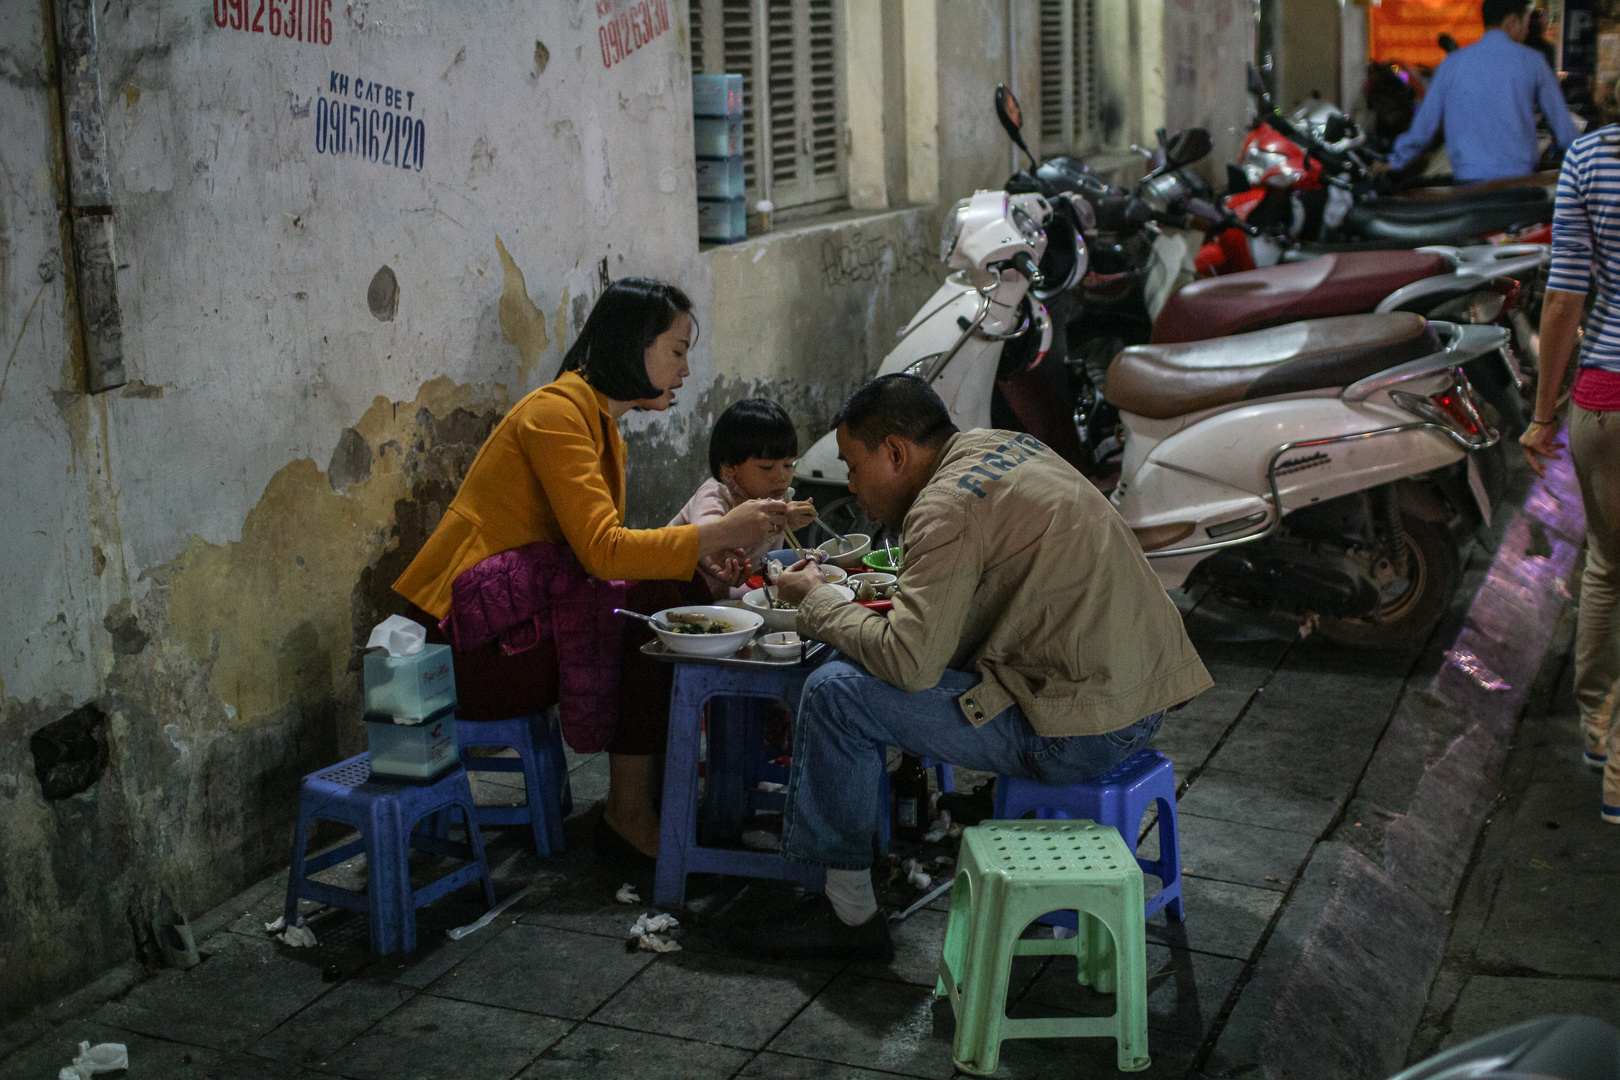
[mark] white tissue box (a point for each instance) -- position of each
(419, 752)
(410, 687)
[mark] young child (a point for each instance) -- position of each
(751, 453)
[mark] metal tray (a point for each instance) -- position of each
(810, 654)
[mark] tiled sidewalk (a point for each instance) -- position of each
(1269, 760)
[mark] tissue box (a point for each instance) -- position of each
(420, 752)
(411, 687)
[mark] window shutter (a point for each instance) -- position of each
(1052, 97)
(1085, 70)
(824, 118)
(783, 88)
(1068, 75)
(789, 51)
(737, 30)
(695, 28)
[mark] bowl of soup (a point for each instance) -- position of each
(706, 630)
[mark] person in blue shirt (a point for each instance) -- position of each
(1485, 98)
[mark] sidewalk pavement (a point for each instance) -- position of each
(1327, 799)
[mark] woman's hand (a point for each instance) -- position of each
(747, 526)
(800, 514)
(1540, 441)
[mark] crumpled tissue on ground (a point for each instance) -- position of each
(647, 930)
(627, 894)
(915, 874)
(941, 829)
(299, 937)
(100, 1058)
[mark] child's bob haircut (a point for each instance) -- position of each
(752, 428)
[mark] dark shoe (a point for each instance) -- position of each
(814, 931)
(969, 809)
(610, 845)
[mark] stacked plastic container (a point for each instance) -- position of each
(411, 715)
(717, 111)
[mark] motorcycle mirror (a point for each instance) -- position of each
(1186, 147)
(1257, 85)
(1012, 119)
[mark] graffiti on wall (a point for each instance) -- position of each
(629, 26)
(369, 120)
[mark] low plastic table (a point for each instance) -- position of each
(698, 680)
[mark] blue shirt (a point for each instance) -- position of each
(1485, 97)
(1586, 239)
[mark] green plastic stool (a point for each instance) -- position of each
(1009, 873)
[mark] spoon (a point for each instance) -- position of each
(648, 619)
(834, 531)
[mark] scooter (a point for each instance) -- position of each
(1327, 468)
(1302, 186)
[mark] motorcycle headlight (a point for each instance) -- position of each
(951, 229)
(1163, 192)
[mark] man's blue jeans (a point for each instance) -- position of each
(846, 715)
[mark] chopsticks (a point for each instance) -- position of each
(793, 542)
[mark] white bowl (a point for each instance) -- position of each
(745, 623)
(884, 583)
(850, 558)
(782, 646)
(758, 600)
(834, 573)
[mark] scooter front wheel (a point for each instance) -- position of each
(1410, 605)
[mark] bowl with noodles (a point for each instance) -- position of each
(706, 630)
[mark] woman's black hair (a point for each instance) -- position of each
(611, 350)
(754, 427)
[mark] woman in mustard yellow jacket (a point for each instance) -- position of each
(553, 471)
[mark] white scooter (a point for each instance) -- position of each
(1325, 468)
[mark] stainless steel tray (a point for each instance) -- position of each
(810, 654)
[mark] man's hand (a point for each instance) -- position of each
(795, 583)
(1540, 442)
(1377, 169)
(800, 514)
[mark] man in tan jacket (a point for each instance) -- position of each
(1029, 638)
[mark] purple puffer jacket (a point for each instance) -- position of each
(524, 596)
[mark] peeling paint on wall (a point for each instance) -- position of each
(522, 323)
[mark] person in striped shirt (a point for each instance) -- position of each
(1586, 258)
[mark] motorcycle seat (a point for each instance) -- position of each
(1161, 382)
(1338, 284)
(1425, 209)
(1464, 228)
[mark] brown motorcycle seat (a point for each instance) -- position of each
(1165, 381)
(1344, 283)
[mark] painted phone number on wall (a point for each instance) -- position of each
(373, 134)
(295, 20)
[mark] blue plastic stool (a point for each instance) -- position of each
(541, 760)
(1117, 798)
(385, 814)
(732, 721)
(944, 777)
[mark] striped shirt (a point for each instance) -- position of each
(1586, 239)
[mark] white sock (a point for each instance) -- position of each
(850, 893)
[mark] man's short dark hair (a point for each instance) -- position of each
(898, 404)
(1492, 12)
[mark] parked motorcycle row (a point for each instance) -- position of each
(1319, 436)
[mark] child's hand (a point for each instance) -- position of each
(730, 567)
(800, 514)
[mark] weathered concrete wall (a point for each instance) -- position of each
(197, 555)
(192, 560)
(1206, 45)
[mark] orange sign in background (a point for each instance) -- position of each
(1408, 31)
